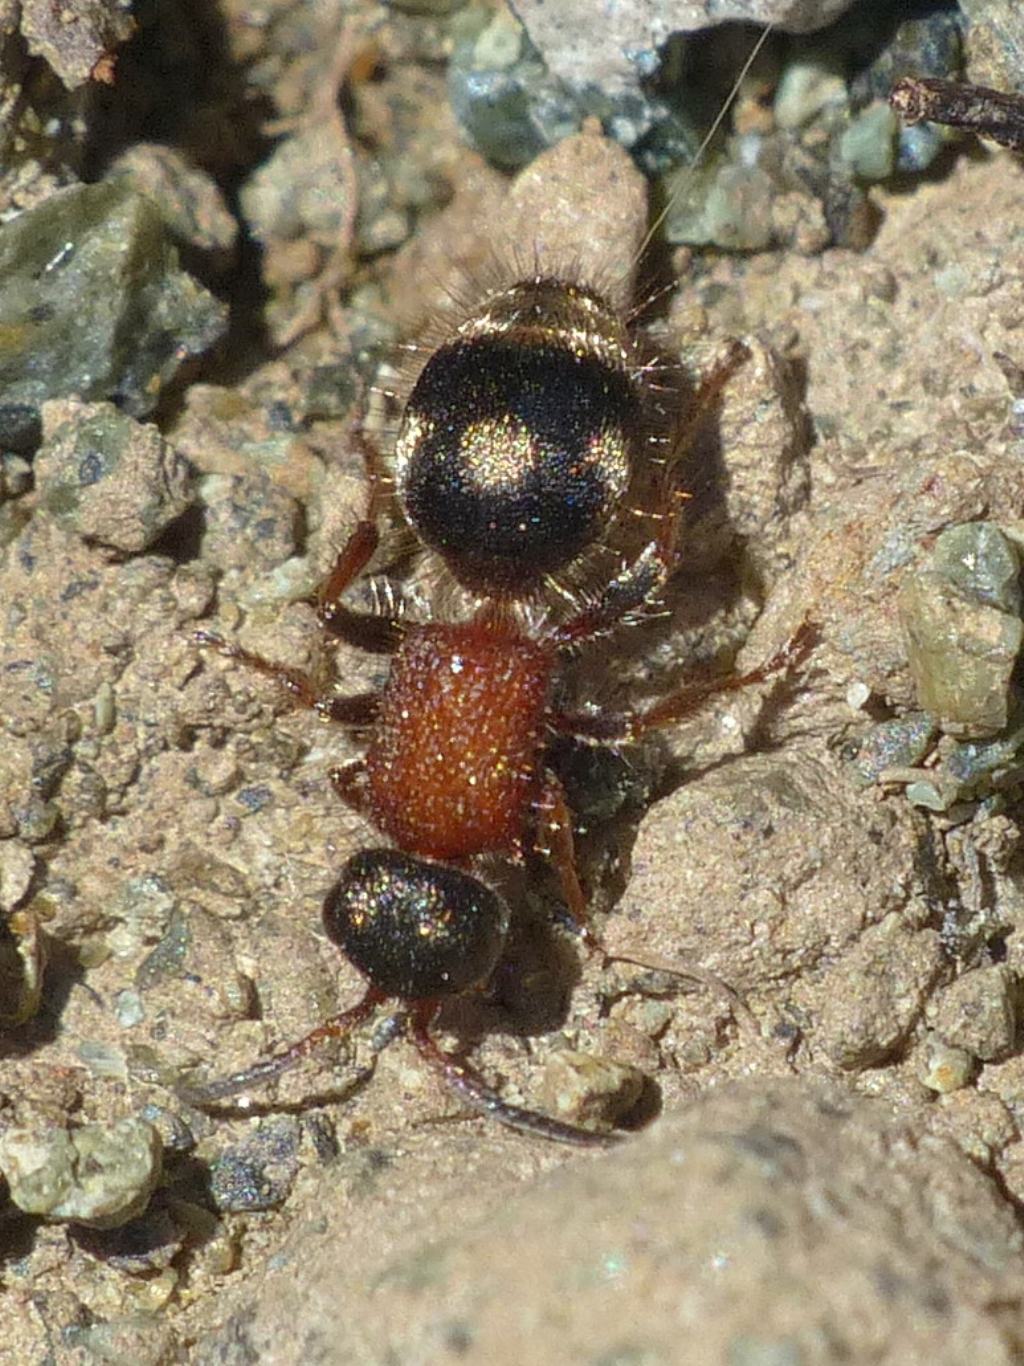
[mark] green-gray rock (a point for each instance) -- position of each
(723, 205)
(806, 88)
(982, 564)
(100, 1174)
(508, 104)
(868, 147)
(960, 616)
(94, 303)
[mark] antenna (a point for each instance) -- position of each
(709, 136)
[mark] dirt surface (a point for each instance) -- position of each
(832, 1172)
(690, 1245)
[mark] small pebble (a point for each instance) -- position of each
(805, 89)
(258, 1173)
(101, 1175)
(108, 478)
(901, 743)
(175, 1134)
(190, 202)
(585, 1089)
(944, 1069)
(857, 694)
(128, 1008)
(960, 612)
(22, 962)
(145, 907)
(978, 1012)
(302, 190)
(868, 147)
(103, 1059)
(721, 204)
(247, 520)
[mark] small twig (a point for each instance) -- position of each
(989, 113)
